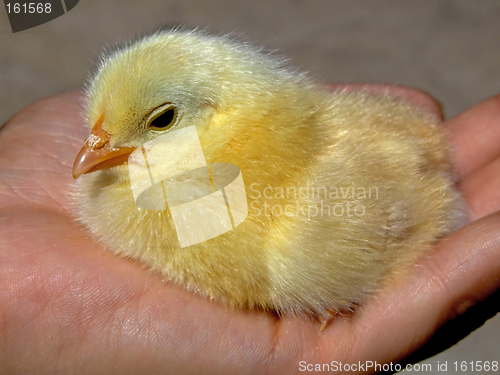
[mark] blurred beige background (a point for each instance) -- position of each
(449, 48)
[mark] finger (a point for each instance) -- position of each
(462, 270)
(476, 136)
(37, 149)
(416, 97)
(481, 190)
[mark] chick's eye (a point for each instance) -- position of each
(164, 120)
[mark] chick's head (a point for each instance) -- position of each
(169, 81)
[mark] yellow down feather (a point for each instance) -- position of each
(285, 133)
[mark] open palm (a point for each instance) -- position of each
(67, 305)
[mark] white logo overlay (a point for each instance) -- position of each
(204, 200)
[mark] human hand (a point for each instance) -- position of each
(68, 305)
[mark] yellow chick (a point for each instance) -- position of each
(342, 189)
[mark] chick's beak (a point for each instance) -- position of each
(97, 153)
